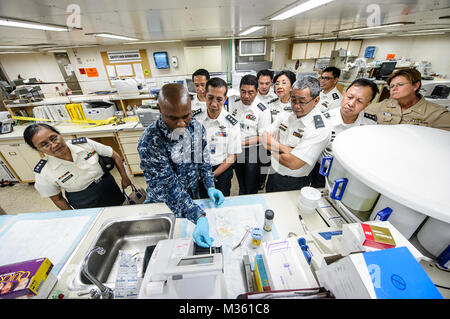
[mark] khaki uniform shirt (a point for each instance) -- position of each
(423, 113)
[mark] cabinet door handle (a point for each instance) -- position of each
(14, 145)
(12, 153)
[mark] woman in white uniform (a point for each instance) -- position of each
(74, 166)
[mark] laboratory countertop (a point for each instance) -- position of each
(286, 220)
(80, 98)
(77, 129)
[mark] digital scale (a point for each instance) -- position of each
(177, 270)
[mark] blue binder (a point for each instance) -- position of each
(396, 274)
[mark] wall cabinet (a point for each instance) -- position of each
(298, 51)
(354, 47)
(325, 49)
(313, 50)
(341, 45)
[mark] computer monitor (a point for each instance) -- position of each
(386, 69)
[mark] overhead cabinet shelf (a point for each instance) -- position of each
(315, 50)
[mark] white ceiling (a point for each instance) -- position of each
(188, 20)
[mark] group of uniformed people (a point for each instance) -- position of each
(192, 149)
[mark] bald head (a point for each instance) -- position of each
(175, 105)
(173, 94)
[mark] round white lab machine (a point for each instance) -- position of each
(405, 163)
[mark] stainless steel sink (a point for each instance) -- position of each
(132, 236)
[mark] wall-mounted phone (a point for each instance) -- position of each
(174, 61)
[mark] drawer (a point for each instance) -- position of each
(130, 148)
(133, 159)
(95, 135)
(131, 139)
(135, 169)
(130, 134)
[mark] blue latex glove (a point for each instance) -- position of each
(201, 233)
(216, 196)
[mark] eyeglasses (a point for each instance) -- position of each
(326, 78)
(46, 145)
(396, 85)
(282, 83)
(295, 102)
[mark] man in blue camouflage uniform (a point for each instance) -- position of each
(174, 157)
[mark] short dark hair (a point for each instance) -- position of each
(217, 83)
(203, 72)
(366, 82)
(412, 75)
(336, 72)
(249, 79)
(31, 130)
(265, 72)
(290, 75)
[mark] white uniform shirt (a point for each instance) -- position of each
(197, 106)
(308, 136)
(56, 174)
(223, 135)
(337, 124)
(277, 107)
(254, 119)
(268, 97)
(330, 101)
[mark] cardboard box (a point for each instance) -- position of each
(24, 278)
(377, 237)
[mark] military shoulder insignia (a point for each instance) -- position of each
(196, 112)
(231, 119)
(79, 140)
(373, 117)
(326, 114)
(335, 96)
(318, 121)
(261, 106)
(39, 166)
(273, 100)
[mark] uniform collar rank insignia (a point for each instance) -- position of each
(237, 99)
(287, 108)
(373, 117)
(335, 96)
(79, 140)
(318, 121)
(231, 119)
(39, 166)
(327, 115)
(261, 106)
(234, 112)
(273, 100)
(196, 112)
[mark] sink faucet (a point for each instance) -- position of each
(105, 292)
